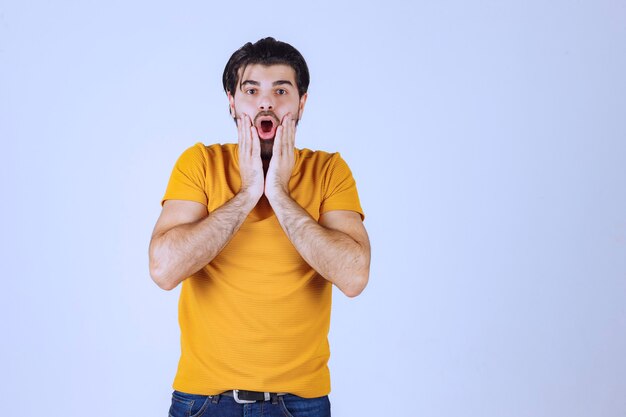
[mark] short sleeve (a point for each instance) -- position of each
(340, 191)
(188, 178)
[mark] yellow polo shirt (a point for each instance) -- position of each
(257, 317)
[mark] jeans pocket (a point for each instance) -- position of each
(188, 405)
(293, 406)
(283, 408)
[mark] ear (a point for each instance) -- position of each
(301, 104)
(231, 104)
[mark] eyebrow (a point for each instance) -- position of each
(274, 84)
(282, 82)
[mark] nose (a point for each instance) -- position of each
(266, 102)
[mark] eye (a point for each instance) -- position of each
(281, 91)
(250, 90)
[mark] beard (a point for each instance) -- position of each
(267, 149)
(267, 145)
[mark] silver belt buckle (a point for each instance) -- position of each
(239, 401)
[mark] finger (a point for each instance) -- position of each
(278, 139)
(256, 142)
(246, 134)
(286, 117)
(240, 132)
(285, 125)
(288, 134)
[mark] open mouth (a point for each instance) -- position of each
(266, 124)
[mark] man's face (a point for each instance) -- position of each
(266, 94)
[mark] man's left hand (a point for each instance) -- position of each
(282, 162)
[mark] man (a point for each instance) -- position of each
(258, 232)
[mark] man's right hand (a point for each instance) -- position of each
(250, 164)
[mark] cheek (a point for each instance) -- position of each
(243, 107)
(293, 107)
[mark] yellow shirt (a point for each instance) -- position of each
(257, 317)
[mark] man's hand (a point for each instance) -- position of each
(250, 164)
(186, 237)
(282, 162)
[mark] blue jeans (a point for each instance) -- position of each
(191, 405)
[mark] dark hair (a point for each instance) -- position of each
(267, 51)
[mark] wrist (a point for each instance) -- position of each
(249, 197)
(275, 192)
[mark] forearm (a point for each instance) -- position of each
(335, 255)
(183, 250)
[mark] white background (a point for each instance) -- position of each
(488, 144)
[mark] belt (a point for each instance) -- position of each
(247, 397)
